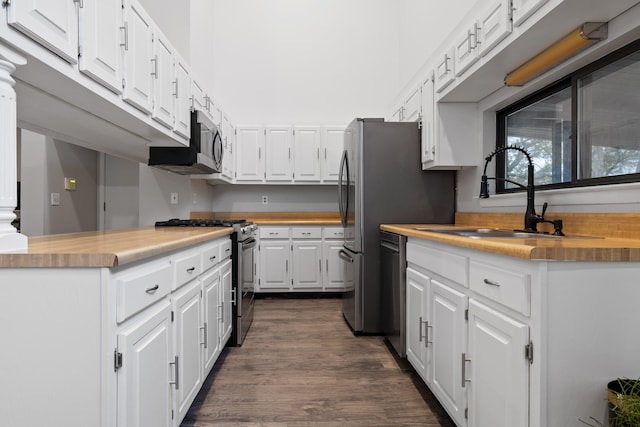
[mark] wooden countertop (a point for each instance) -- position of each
(108, 248)
(275, 218)
(550, 249)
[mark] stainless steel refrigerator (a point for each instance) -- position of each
(381, 181)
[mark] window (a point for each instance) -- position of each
(600, 104)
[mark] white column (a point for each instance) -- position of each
(10, 240)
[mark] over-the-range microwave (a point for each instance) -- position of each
(202, 156)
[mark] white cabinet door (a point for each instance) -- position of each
(523, 9)
(278, 159)
(332, 143)
(163, 77)
(138, 53)
(227, 297)
(306, 148)
(228, 133)
(417, 288)
(466, 49)
(307, 264)
(182, 98)
(445, 71)
(197, 96)
(249, 153)
(211, 309)
(412, 109)
(334, 272)
(188, 323)
(52, 23)
(428, 120)
(275, 264)
(498, 382)
(495, 25)
(100, 34)
(144, 391)
(446, 337)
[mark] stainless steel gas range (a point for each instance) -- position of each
(243, 256)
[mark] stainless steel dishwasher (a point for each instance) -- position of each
(393, 263)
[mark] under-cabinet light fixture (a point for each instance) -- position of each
(574, 42)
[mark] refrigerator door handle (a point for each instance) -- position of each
(341, 207)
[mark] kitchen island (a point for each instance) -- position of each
(520, 331)
(115, 328)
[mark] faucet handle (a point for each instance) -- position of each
(545, 205)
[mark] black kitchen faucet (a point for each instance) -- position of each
(531, 219)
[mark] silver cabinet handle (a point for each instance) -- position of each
(345, 256)
(491, 282)
(212, 258)
(191, 270)
(426, 331)
(327, 263)
(155, 67)
(463, 377)
(320, 265)
(175, 82)
(125, 30)
(220, 311)
(152, 289)
(233, 296)
(176, 371)
(227, 250)
(286, 265)
(204, 329)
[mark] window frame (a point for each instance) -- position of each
(569, 81)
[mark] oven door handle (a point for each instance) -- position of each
(251, 243)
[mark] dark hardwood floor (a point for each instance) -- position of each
(300, 365)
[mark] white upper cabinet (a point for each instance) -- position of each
(100, 36)
(249, 153)
(428, 120)
(279, 154)
(162, 72)
(495, 25)
(466, 49)
(445, 71)
(138, 53)
(182, 97)
(412, 108)
(523, 9)
(306, 143)
(332, 143)
(228, 142)
(197, 96)
(52, 23)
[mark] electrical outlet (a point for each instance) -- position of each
(55, 199)
(265, 200)
(195, 198)
(174, 198)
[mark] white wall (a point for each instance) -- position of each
(281, 198)
(173, 19)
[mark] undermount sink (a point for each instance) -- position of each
(494, 233)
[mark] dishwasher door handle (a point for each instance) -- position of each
(345, 256)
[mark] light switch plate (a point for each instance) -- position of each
(55, 199)
(174, 198)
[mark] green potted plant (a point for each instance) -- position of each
(624, 402)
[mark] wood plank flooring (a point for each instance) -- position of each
(300, 365)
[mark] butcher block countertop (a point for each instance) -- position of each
(548, 249)
(275, 218)
(108, 248)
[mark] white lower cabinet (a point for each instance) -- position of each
(227, 299)
(146, 368)
(300, 259)
(417, 284)
(188, 360)
(498, 374)
(211, 311)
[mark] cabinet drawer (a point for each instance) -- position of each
(138, 290)
(508, 287)
(187, 268)
(210, 256)
(336, 232)
(446, 264)
(274, 232)
(225, 250)
(306, 233)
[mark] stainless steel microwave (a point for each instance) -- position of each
(202, 156)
